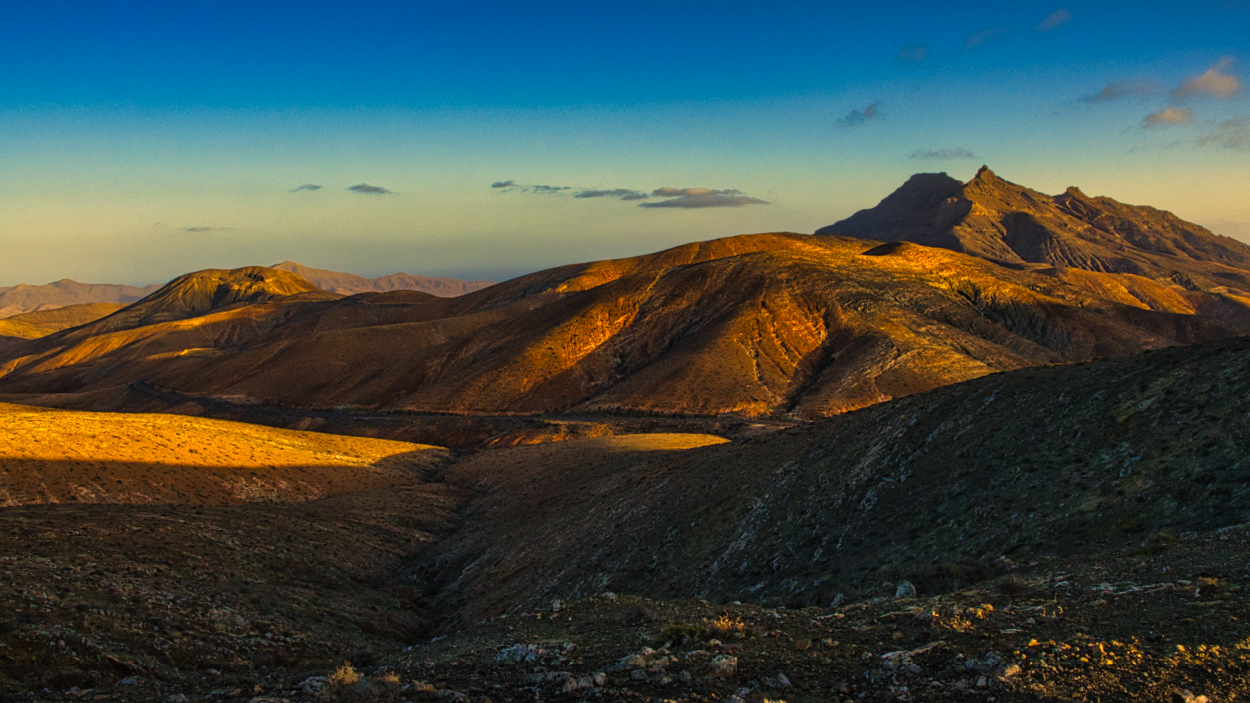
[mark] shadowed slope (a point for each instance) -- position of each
(756, 324)
(1062, 460)
(1004, 222)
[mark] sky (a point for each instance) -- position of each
(143, 140)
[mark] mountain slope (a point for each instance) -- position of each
(23, 298)
(350, 283)
(756, 325)
(998, 220)
(935, 488)
(32, 325)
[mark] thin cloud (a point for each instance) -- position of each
(549, 189)
(306, 186)
(698, 198)
(366, 189)
(942, 154)
(1231, 134)
(503, 184)
(1123, 89)
(980, 37)
(1216, 82)
(206, 229)
(1169, 116)
(1058, 18)
(621, 193)
(859, 117)
(913, 54)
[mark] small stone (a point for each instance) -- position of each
(982, 682)
(177, 698)
(1185, 696)
(1009, 671)
(837, 600)
(129, 681)
(723, 667)
(638, 675)
(905, 590)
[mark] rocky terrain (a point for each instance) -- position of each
(1073, 531)
(776, 325)
(350, 283)
(1004, 222)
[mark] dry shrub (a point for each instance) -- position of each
(678, 634)
(724, 626)
(1013, 585)
(343, 676)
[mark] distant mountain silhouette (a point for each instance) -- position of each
(998, 220)
(32, 325)
(23, 298)
(350, 283)
(756, 325)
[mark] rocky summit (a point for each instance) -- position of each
(1013, 225)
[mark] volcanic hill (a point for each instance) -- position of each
(756, 325)
(350, 283)
(1007, 223)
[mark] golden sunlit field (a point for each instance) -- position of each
(52, 456)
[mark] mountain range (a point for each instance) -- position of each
(756, 325)
(350, 283)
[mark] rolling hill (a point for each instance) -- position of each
(350, 283)
(755, 325)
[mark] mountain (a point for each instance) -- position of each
(756, 325)
(23, 298)
(350, 283)
(1007, 223)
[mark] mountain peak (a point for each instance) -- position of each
(1011, 224)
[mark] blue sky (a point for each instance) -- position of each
(143, 140)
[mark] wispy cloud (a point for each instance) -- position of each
(1058, 18)
(696, 198)
(503, 184)
(1123, 89)
(858, 117)
(942, 154)
(621, 193)
(306, 186)
(1169, 116)
(366, 189)
(981, 37)
(548, 189)
(1230, 134)
(206, 229)
(913, 54)
(1216, 82)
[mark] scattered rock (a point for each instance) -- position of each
(905, 590)
(1186, 696)
(723, 667)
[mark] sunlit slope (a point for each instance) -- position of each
(32, 325)
(1001, 221)
(55, 456)
(754, 324)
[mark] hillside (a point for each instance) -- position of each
(350, 283)
(937, 489)
(55, 456)
(23, 298)
(1000, 221)
(1073, 531)
(767, 324)
(32, 325)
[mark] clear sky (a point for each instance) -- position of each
(141, 140)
